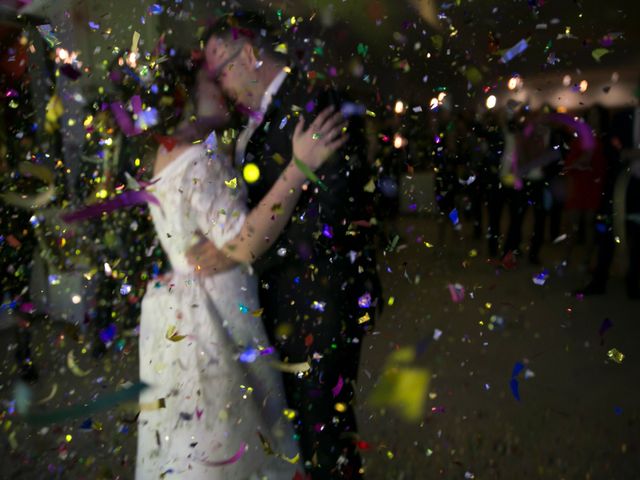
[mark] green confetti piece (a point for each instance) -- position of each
(598, 53)
(304, 168)
(362, 49)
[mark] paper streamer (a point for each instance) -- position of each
(125, 199)
(103, 402)
(237, 456)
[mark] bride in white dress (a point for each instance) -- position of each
(203, 349)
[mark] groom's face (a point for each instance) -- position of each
(231, 65)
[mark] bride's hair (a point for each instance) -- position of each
(159, 93)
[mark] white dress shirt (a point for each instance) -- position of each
(256, 120)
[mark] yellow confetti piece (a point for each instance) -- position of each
(172, 334)
(54, 390)
(291, 367)
(73, 366)
(290, 414)
(13, 442)
(391, 301)
(428, 245)
(363, 319)
(615, 355)
(155, 405)
(134, 42)
(340, 407)
(233, 183)
(257, 313)
(279, 159)
(251, 173)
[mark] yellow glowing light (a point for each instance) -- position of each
(399, 107)
(68, 438)
(397, 140)
(340, 407)
(514, 82)
(433, 104)
(583, 86)
(441, 97)
(491, 101)
(88, 120)
(251, 173)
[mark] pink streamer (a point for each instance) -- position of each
(237, 456)
(581, 128)
(336, 390)
(125, 199)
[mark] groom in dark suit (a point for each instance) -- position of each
(318, 283)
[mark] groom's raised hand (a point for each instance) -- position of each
(207, 259)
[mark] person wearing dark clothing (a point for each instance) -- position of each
(318, 282)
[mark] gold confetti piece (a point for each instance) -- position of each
(233, 183)
(54, 390)
(428, 245)
(257, 313)
(172, 334)
(134, 42)
(615, 355)
(155, 405)
(340, 407)
(363, 319)
(291, 367)
(12, 440)
(279, 159)
(73, 366)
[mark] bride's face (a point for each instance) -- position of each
(211, 102)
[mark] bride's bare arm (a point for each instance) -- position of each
(265, 222)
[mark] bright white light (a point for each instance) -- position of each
(433, 104)
(491, 101)
(441, 96)
(399, 108)
(514, 82)
(398, 141)
(583, 86)
(566, 80)
(76, 299)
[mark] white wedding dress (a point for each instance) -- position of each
(205, 406)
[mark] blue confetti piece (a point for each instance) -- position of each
(327, 231)
(517, 368)
(453, 216)
(86, 425)
(243, 308)
(618, 410)
(156, 9)
(365, 301)
(249, 355)
(514, 51)
(514, 388)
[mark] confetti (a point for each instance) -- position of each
(123, 200)
(300, 367)
(457, 292)
(172, 334)
(231, 460)
(338, 387)
(615, 355)
(304, 168)
(73, 366)
(514, 51)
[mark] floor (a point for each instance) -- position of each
(577, 417)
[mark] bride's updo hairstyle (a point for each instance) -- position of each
(158, 96)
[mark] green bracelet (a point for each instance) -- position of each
(304, 168)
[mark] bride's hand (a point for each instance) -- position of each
(324, 136)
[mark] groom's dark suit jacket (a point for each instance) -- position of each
(321, 242)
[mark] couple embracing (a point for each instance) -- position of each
(251, 344)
